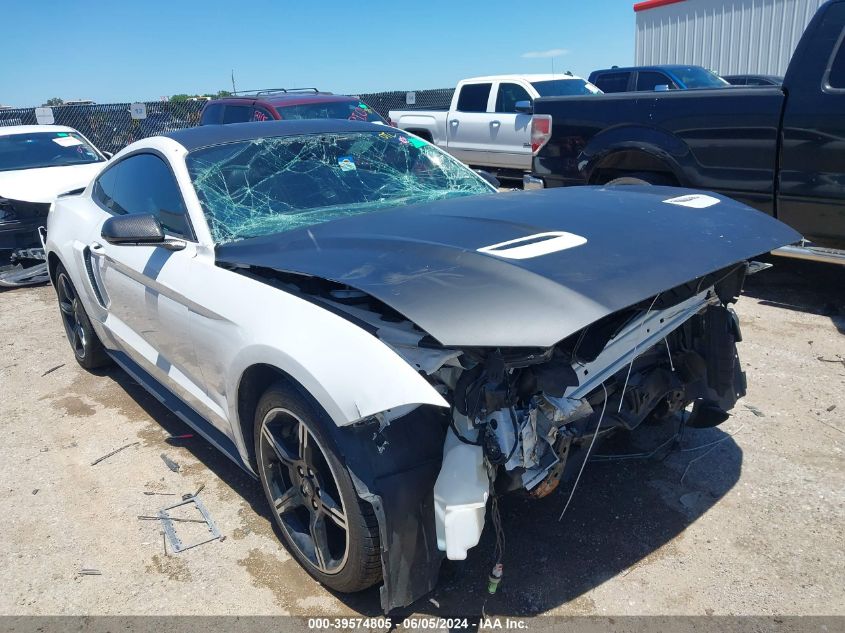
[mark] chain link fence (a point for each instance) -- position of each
(111, 126)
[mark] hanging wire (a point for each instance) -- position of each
(634, 357)
(587, 456)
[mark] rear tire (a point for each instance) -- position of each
(86, 345)
(325, 526)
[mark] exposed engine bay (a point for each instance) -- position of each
(521, 419)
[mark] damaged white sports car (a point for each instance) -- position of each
(365, 324)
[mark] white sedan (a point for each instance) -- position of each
(37, 163)
(364, 324)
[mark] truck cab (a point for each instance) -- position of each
(489, 122)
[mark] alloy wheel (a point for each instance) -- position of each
(70, 307)
(304, 491)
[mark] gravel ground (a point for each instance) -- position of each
(755, 526)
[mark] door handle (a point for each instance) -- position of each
(495, 123)
(453, 122)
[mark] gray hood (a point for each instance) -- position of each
(609, 248)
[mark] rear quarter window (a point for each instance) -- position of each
(612, 82)
(237, 114)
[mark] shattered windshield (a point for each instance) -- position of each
(274, 184)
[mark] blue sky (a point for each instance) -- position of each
(143, 49)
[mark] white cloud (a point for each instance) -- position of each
(552, 52)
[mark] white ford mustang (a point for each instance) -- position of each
(366, 325)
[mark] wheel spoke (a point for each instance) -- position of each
(333, 510)
(290, 500)
(321, 542)
(280, 450)
(66, 308)
(304, 449)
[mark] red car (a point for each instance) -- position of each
(276, 104)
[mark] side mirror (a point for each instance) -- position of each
(524, 107)
(141, 229)
(661, 87)
(108, 154)
(488, 177)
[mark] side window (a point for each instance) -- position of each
(237, 114)
(612, 82)
(647, 80)
(508, 95)
(104, 187)
(261, 114)
(836, 76)
(145, 184)
(473, 97)
(211, 114)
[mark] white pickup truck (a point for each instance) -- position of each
(489, 123)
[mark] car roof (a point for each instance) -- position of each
(653, 67)
(8, 130)
(525, 77)
(207, 135)
(282, 99)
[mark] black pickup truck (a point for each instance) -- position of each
(778, 149)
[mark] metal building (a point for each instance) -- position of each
(727, 36)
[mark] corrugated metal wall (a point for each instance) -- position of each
(727, 36)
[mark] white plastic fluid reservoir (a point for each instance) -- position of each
(460, 497)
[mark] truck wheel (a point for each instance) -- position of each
(86, 345)
(324, 525)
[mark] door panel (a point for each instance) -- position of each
(510, 131)
(468, 127)
(812, 173)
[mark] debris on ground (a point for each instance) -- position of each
(35, 492)
(838, 359)
(163, 494)
(170, 463)
(114, 452)
(168, 523)
(86, 571)
(52, 369)
(755, 411)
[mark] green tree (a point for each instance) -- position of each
(54, 101)
(180, 98)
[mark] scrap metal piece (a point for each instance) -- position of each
(168, 523)
(114, 452)
(170, 463)
(15, 276)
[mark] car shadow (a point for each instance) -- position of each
(625, 513)
(802, 286)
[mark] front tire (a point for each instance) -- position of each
(324, 525)
(86, 345)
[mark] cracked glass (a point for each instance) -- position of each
(274, 184)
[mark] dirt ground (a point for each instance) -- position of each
(754, 524)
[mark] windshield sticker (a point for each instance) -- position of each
(694, 201)
(61, 134)
(67, 141)
(385, 136)
(403, 140)
(534, 245)
(358, 114)
(346, 163)
(416, 142)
